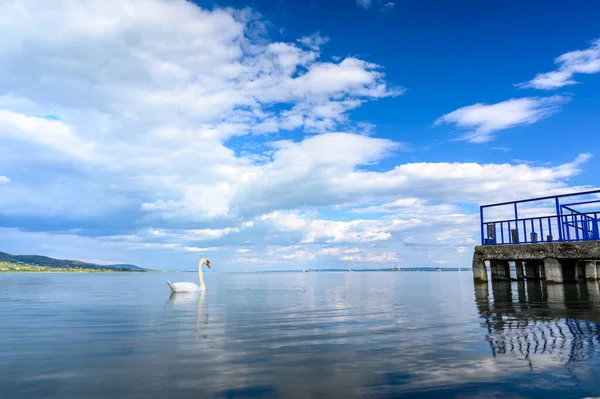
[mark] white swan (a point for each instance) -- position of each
(191, 287)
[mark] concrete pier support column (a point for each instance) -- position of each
(520, 270)
(479, 271)
(591, 272)
(532, 270)
(500, 270)
(553, 271)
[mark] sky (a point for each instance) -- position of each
(279, 135)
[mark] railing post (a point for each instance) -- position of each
(513, 236)
(559, 219)
(481, 220)
(491, 233)
(516, 225)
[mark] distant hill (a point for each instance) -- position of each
(38, 260)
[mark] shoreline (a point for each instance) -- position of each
(8, 267)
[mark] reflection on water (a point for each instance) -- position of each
(541, 319)
(544, 325)
(198, 299)
(296, 335)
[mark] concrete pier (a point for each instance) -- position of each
(553, 270)
(479, 271)
(554, 263)
(591, 270)
(559, 243)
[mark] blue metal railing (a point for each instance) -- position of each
(565, 224)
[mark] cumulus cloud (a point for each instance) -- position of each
(4, 180)
(482, 120)
(569, 64)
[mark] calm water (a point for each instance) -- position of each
(300, 335)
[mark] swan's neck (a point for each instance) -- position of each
(200, 276)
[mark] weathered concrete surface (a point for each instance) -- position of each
(562, 250)
(553, 270)
(480, 271)
(562, 262)
(591, 271)
(500, 270)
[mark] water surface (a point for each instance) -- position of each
(296, 335)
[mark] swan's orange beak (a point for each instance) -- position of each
(208, 263)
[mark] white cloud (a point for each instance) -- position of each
(569, 64)
(384, 257)
(413, 205)
(53, 134)
(364, 3)
(314, 41)
(338, 251)
(4, 180)
(156, 120)
(300, 255)
(482, 120)
(199, 249)
(381, 4)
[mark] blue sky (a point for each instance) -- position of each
(287, 134)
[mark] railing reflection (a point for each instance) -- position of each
(531, 318)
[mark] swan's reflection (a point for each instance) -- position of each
(188, 298)
(183, 297)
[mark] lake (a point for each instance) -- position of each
(296, 335)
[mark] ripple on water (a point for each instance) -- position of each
(296, 335)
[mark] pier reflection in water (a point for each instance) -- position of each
(543, 325)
